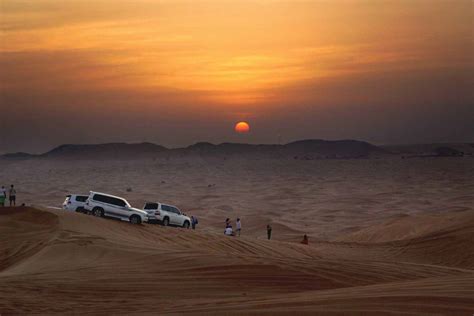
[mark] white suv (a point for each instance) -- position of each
(75, 202)
(101, 204)
(166, 214)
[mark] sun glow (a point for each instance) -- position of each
(242, 127)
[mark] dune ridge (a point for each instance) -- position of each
(62, 262)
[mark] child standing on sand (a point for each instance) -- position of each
(269, 232)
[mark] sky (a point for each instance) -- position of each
(178, 72)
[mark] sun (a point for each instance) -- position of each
(242, 127)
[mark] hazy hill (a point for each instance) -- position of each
(304, 149)
(97, 151)
(18, 155)
(333, 149)
(435, 149)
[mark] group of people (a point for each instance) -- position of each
(11, 195)
(228, 231)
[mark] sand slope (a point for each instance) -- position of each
(60, 262)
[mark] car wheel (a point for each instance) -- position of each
(98, 212)
(166, 221)
(80, 209)
(186, 225)
(134, 219)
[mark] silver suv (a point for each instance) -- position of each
(102, 204)
(166, 215)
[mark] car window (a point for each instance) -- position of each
(175, 210)
(81, 198)
(100, 198)
(109, 200)
(151, 206)
(118, 202)
(165, 208)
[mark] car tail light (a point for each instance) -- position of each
(68, 202)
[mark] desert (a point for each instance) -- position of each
(257, 157)
(386, 236)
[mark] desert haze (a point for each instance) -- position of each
(387, 235)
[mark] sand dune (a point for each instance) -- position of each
(59, 262)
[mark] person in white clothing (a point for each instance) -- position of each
(228, 231)
(239, 226)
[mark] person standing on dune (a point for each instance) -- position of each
(305, 240)
(194, 221)
(3, 196)
(12, 195)
(239, 226)
(269, 232)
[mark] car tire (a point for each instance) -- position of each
(186, 225)
(166, 221)
(80, 209)
(134, 219)
(98, 212)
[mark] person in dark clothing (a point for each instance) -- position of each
(12, 195)
(305, 240)
(194, 221)
(269, 232)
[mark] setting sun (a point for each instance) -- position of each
(242, 127)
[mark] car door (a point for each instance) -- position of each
(121, 208)
(104, 202)
(167, 212)
(114, 207)
(177, 218)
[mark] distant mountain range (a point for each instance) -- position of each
(303, 149)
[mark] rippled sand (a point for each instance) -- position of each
(386, 237)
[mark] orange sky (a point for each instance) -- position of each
(230, 59)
